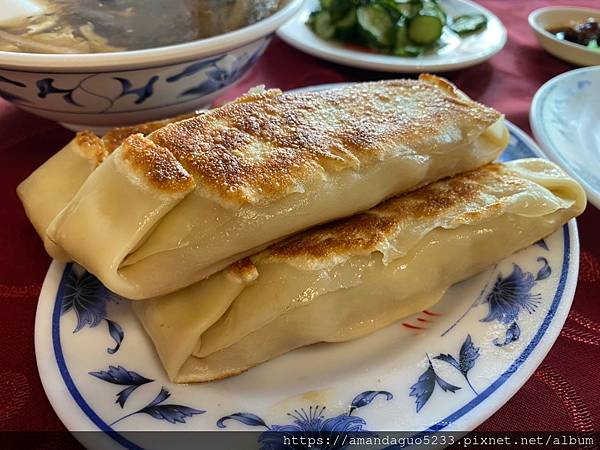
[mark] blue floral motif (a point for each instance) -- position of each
(513, 333)
(466, 359)
(13, 82)
(478, 301)
(582, 84)
(45, 87)
(12, 97)
(169, 412)
(215, 81)
(116, 332)
(509, 295)
(311, 423)
(502, 287)
(425, 386)
(99, 93)
(194, 69)
(545, 271)
(122, 377)
(216, 78)
(143, 92)
(517, 149)
(246, 418)
(88, 297)
(366, 397)
(542, 243)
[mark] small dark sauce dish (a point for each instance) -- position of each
(585, 33)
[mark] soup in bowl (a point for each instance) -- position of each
(91, 64)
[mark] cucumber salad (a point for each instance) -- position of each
(396, 27)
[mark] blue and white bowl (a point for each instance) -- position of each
(108, 89)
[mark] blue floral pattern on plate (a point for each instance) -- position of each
(426, 383)
(88, 297)
(160, 411)
(466, 359)
(311, 424)
(510, 295)
(122, 377)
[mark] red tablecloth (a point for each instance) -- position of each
(564, 393)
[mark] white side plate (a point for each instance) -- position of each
(456, 54)
(565, 118)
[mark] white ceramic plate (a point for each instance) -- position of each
(456, 54)
(91, 352)
(565, 118)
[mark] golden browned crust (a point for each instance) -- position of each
(471, 194)
(97, 149)
(115, 137)
(91, 146)
(156, 164)
(244, 270)
(443, 84)
(269, 144)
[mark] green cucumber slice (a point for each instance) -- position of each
(345, 28)
(468, 23)
(376, 24)
(320, 22)
(425, 28)
(402, 45)
(340, 8)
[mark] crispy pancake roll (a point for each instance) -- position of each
(349, 278)
(168, 209)
(54, 184)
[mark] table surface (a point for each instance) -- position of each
(564, 393)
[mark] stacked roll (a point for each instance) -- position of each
(281, 220)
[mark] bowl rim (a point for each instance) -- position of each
(547, 145)
(535, 26)
(39, 62)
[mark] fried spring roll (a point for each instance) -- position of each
(166, 210)
(349, 278)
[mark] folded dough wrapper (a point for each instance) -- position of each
(54, 184)
(166, 210)
(349, 278)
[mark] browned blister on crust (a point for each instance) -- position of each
(91, 146)
(466, 198)
(115, 137)
(155, 164)
(267, 145)
(243, 270)
(97, 149)
(443, 84)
